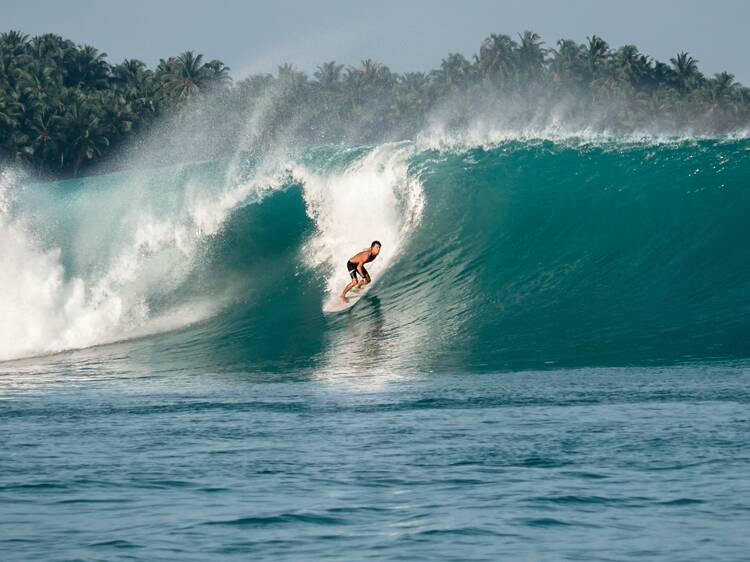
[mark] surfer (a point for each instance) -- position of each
(356, 266)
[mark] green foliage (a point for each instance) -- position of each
(63, 107)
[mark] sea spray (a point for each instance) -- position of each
(116, 278)
(44, 310)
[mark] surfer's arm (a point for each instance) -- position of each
(362, 273)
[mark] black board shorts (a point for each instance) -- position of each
(352, 267)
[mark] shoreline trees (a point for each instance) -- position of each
(64, 107)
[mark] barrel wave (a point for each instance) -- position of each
(518, 254)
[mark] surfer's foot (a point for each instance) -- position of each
(343, 299)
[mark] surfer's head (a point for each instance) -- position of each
(375, 247)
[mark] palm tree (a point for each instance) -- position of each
(53, 47)
(219, 73)
(13, 42)
(5, 118)
(15, 145)
(328, 74)
(686, 71)
(89, 69)
(254, 86)
(597, 55)
(531, 54)
(137, 84)
(86, 138)
(47, 138)
(720, 91)
(115, 113)
(497, 59)
(724, 84)
(290, 77)
(35, 80)
(740, 103)
(11, 110)
(13, 45)
(186, 77)
(376, 74)
(455, 72)
(411, 98)
(566, 64)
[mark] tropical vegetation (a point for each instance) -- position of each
(64, 107)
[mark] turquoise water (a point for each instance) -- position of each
(551, 364)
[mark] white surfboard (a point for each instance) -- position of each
(334, 304)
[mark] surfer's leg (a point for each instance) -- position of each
(351, 284)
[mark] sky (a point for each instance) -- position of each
(404, 34)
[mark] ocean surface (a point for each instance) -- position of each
(553, 362)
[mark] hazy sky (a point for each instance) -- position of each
(406, 35)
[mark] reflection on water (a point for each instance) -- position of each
(372, 342)
(362, 347)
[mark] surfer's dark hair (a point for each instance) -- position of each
(376, 242)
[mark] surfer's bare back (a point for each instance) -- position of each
(356, 267)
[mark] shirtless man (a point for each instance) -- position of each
(356, 266)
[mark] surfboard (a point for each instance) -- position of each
(334, 304)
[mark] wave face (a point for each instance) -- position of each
(517, 254)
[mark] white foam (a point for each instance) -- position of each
(372, 199)
(488, 131)
(44, 309)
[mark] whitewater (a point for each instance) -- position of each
(552, 362)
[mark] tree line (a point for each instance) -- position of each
(64, 107)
